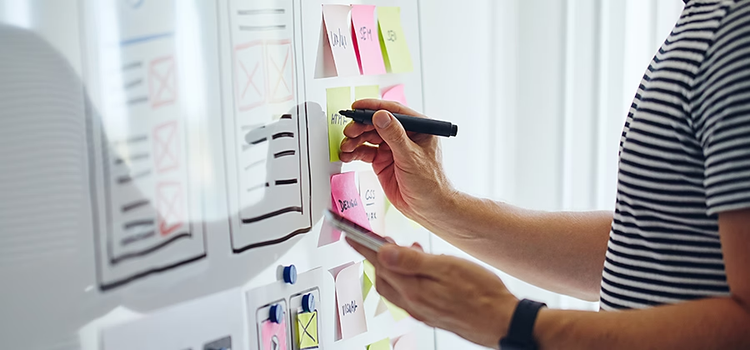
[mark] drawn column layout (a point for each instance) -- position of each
(146, 223)
(268, 171)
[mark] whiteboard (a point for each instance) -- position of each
(161, 220)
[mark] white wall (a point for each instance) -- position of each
(540, 89)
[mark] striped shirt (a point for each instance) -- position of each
(684, 158)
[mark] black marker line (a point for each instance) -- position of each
(137, 100)
(285, 182)
(369, 204)
(136, 223)
(137, 237)
(259, 141)
(134, 83)
(286, 116)
(282, 134)
(272, 214)
(261, 12)
(263, 28)
(134, 139)
(108, 286)
(137, 156)
(129, 178)
(131, 65)
(272, 242)
(255, 164)
(134, 205)
(284, 154)
(150, 250)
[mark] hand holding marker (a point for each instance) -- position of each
(414, 124)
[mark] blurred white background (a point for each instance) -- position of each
(540, 89)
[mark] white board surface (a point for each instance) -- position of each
(197, 164)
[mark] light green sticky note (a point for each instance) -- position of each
(397, 312)
(336, 100)
(366, 286)
(369, 270)
(384, 344)
(367, 91)
(393, 41)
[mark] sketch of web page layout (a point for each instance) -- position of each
(147, 211)
(266, 145)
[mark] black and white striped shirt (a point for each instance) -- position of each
(684, 158)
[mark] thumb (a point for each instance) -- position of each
(391, 131)
(404, 260)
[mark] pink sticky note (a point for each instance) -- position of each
(367, 44)
(395, 93)
(349, 302)
(340, 42)
(346, 199)
(407, 341)
(373, 199)
(273, 335)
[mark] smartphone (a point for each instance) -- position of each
(357, 233)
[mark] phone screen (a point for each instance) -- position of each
(356, 232)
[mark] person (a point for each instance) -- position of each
(674, 257)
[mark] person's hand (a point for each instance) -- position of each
(443, 291)
(408, 165)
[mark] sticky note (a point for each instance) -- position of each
(393, 41)
(368, 280)
(407, 341)
(349, 302)
(384, 344)
(366, 40)
(381, 308)
(367, 91)
(347, 201)
(307, 330)
(373, 198)
(336, 100)
(339, 34)
(273, 335)
(395, 93)
(397, 312)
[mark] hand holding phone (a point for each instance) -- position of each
(355, 232)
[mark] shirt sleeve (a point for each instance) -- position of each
(721, 110)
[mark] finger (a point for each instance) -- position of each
(355, 129)
(387, 291)
(392, 132)
(349, 144)
(364, 153)
(368, 253)
(393, 107)
(409, 261)
(417, 246)
(389, 240)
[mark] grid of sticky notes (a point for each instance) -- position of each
(377, 46)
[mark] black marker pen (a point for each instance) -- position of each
(415, 124)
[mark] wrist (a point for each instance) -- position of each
(521, 334)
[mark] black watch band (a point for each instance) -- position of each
(521, 330)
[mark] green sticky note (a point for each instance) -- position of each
(366, 286)
(336, 100)
(393, 41)
(384, 344)
(397, 312)
(368, 91)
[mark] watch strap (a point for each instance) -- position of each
(521, 330)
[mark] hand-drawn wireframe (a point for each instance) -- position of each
(268, 170)
(142, 199)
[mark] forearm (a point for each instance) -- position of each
(716, 323)
(562, 252)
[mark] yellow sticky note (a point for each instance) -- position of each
(397, 312)
(307, 330)
(393, 41)
(369, 270)
(336, 100)
(368, 91)
(384, 344)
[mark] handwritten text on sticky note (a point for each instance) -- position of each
(373, 199)
(366, 35)
(349, 301)
(338, 31)
(347, 201)
(336, 100)
(393, 41)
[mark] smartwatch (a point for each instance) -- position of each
(521, 330)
